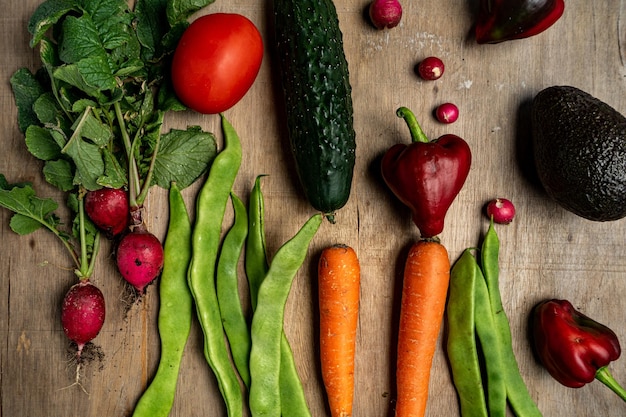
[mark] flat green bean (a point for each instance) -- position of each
(175, 311)
(461, 344)
(256, 253)
(268, 319)
(227, 285)
(292, 399)
(491, 351)
(518, 396)
(210, 208)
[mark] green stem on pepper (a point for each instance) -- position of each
(417, 134)
(604, 375)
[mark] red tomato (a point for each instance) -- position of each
(216, 61)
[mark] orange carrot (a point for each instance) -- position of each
(338, 284)
(424, 292)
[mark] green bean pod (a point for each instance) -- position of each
(518, 396)
(268, 319)
(491, 351)
(210, 208)
(227, 286)
(175, 311)
(292, 399)
(256, 253)
(461, 344)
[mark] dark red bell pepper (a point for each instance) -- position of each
(504, 20)
(426, 175)
(574, 348)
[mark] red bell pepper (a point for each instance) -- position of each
(574, 348)
(426, 175)
(503, 20)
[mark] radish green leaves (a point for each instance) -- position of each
(93, 112)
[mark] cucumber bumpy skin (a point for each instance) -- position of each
(318, 102)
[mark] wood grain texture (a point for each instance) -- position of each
(546, 252)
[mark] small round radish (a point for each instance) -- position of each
(385, 13)
(109, 210)
(82, 313)
(139, 258)
(431, 68)
(447, 113)
(502, 210)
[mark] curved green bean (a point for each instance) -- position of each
(175, 311)
(227, 286)
(210, 208)
(292, 399)
(486, 331)
(268, 318)
(461, 343)
(521, 402)
(256, 254)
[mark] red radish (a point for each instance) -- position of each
(502, 210)
(82, 313)
(139, 258)
(108, 208)
(431, 68)
(385, 13)
(447, 113)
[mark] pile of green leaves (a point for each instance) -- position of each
(94, 110)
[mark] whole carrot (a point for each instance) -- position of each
(424, 291)
(338, 285)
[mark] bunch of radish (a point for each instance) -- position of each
(119, 214)
(139, 253)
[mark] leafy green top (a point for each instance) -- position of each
(94, 110)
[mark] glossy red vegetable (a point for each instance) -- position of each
(504, 20)
(447, 113)
(426, 175)
(574, 348)
(501, 210)
(109, 209)
(385, 14)
(431, 68)
(216, 62)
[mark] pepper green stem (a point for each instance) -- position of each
(417, 134)
(603, 375)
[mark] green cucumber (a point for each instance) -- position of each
(318, 102)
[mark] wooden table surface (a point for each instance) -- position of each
(547, 252)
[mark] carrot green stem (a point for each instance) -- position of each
(603, 375)
(417, 134)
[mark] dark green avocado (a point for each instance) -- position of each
(579, 145)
